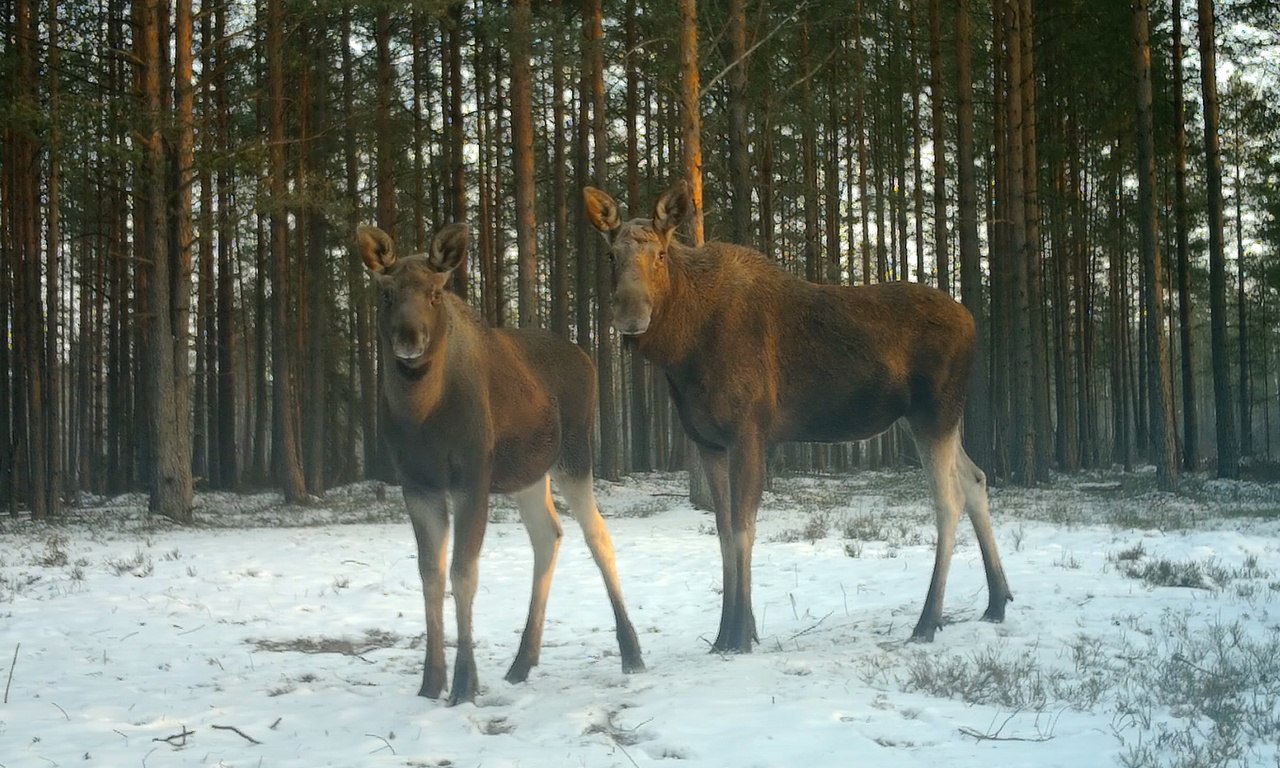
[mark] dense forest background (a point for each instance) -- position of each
(1099, 181)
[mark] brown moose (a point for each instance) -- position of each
(471, 410)
(755, 356)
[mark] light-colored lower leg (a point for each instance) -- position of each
(429, 515)
(973, 483)
(538, 514)
(582, 505)
(940, 461)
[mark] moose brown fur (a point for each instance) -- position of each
(469, 410)
(755, 356)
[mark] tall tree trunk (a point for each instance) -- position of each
(638, 365)
(228, 455)
(739, 122)
(288, 463)
(691, 160)
(522, 139)
(53, 415)
(457, 169)
(1161, 402)
(1228, 443)
(167, 272)
(938, 115)
(1035, 258)
(1025, 422)
(1186, 335)
(315, 408)
(559, 188)
(1242, 324)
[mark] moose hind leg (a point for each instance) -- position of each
(973, 483)
(939, 456)
(430, 517)
(582, 504)
(538, 514)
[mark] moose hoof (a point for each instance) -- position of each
(632, 666)
(432, 684)
(923, 633)
(518, 673)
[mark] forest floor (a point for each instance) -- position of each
(1145, 632)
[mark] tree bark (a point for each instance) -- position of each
(1161, 404)
(522, 139)
(1186, 335)
(288, 464)
(1228, 443)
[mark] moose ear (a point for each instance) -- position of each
(672, 208)
(375, 248)
(449, 248)
(602, 210)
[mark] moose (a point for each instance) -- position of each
(471, 410)
(756, 356)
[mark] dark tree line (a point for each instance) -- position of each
(181, 183)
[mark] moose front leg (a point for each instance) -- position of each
(746, 484)
(429, 513)
(469, 524)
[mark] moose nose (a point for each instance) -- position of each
(631, 318)
(409, 344)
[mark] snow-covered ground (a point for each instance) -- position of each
(277, 636)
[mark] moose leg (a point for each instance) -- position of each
(543, 525)
(582, 504)
(939, 456)
(973, 483)
(429, 514)
(716, 466)
(746, 483)
(469, 523)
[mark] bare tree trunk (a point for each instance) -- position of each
(691, 133)
(288, 464)
(53, 415)
(938, 115)
(228, 455)
(559, 190)
(457, 168)
(1186, 335)
(167, 276)
(1161, 403)
(1228, 444)
(739, 149)
(638, 365)
(1025, 441)
(315, 407)
(522, 139)
(1242, 326)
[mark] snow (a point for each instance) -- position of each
(302, 630)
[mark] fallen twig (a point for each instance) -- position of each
(183, 736)
(384, 741)
(238, 732)
(814, 626)
(63, 711)
(967, 731)
(12, 664)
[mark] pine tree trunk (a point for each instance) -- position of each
(53, 415)
(288, 463)
(1225, 414)
(1161, 402)
(522, 139)
(457, 169)
(1186, 335)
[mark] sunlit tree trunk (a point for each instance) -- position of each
(522, 159)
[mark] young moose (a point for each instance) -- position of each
(470, 410)
(755, 356)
